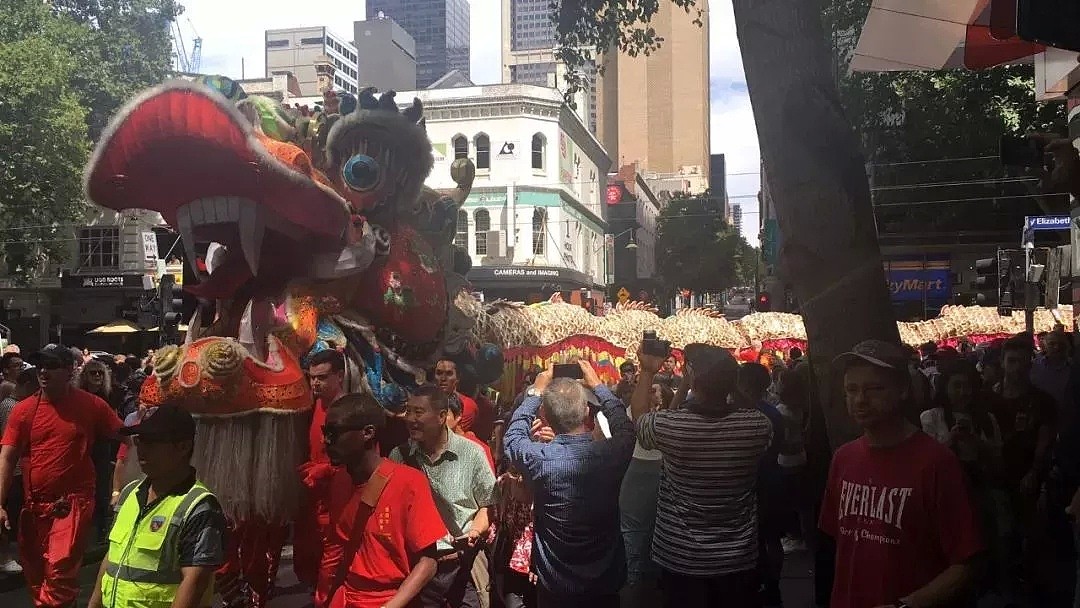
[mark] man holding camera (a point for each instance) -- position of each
(706, 536)
(578, 553)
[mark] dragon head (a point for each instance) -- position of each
(321, 234)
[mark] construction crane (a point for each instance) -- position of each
(184, 62)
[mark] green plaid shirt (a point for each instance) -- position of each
(461, 480)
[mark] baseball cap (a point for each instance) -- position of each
(166, 421)
(878, 353)
(708, 360)
(52, 356)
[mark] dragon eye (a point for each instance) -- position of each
(361, 173)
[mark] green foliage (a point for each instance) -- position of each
(43, 134)
(65, 68)
(124, 48)
(587, 29)
(697, 250)
(948, 114)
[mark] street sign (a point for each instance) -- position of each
(624, 295)
(1046, 222)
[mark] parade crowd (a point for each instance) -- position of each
(663, 489)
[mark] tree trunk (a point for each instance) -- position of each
(817, 178)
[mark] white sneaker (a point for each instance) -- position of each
(11, 567)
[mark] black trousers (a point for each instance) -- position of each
(452, 584)
(544, 599)
(736, 590)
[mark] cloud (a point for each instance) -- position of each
(232, 33)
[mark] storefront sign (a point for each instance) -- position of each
(507, 151)
(109, 281)
(492, 274)
(917, 284)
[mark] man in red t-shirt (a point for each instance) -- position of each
(326, 372)
(52, 432)
(380, 544)
(896, 502)
(448, 380)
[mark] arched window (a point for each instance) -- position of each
(483, 152)
(539, 145)
(482, 220)
(461, 147)
(539, 230)
(461, 238)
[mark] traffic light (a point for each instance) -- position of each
(996, 280)
(170, 308)
(986, 281)
(764, 302)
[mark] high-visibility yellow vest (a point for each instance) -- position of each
(141, 569)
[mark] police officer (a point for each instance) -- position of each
(167, 538)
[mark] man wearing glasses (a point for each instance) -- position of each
(52, 432)
(380, 544)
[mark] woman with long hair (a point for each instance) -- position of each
(961, 419)
(95, 377)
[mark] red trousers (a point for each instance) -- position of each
(252, 556)
(51, 550)
(311, 520)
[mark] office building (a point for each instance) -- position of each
(534, 222)
(654, 110)
(528, 56)
(736, 219)
(296, 50)
(386, 55)
(440, 29)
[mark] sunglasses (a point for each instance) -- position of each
(95, 373)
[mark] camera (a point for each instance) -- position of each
(653, 346)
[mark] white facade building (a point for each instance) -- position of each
(537, 201)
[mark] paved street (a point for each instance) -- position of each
(798, 586)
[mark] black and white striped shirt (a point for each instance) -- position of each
(706, 516)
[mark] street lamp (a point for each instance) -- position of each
(631, 246)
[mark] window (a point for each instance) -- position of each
(461, 239)
(276, 44)
(99, 248)
(318, 40)
(461, 147)
(538, 149)
(483, 223)
(483, 152)
(539, 230)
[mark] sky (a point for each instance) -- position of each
(232, 33)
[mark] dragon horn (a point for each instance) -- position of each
(386, 101)
(463, 172)
(415, 112)
(367, 99)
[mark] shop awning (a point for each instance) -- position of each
(900, 35)
(116, 327)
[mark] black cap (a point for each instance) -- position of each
(164, 422)
(707, 360)
(886, 355)
(52, 356)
